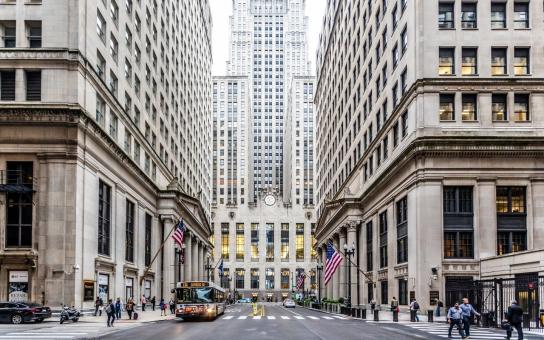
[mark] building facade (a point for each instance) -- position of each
(105, 143)
(427, 144)
(262, 211)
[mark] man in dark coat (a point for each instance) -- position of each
(515, 318)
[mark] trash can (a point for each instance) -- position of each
(485, 320)
(363, 313)
(430, 315)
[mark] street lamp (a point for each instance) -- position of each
(319, 269)
(349, 251)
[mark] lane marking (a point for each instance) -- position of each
(34, 337)
(285, 317)
(45, 333)
(242, 317)
(327, 317)
(299, 317)
(228, 317)
(339, 317)
(258, 317)
(313, 317)
(271, 317)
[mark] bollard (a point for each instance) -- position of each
(376, 315)
(430, 315)
(363, 313)
(395, 316)
(485, 320)
(526, 321)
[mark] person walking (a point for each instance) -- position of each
(153, 301)
(455, 318)
(372, 305)
(414, 308)
(439, 305)
(98, 303)
(468, 310)
(172, 306)
(110, 311)
(118, 308)
(130, 308)
(394, 304)
(143, 300)
(162, 307)
(514, 315)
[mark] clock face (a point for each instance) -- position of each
(270, 200)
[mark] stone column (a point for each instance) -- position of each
(194, 260)
(188, 256)
(336, 275)
(342, 271)
(485, 228)
(351, 240)
(361, 253)
(201, 275)
(169, 279)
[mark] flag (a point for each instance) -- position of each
(178, 233)
(220, 267)
(300, 280)
(333, 262)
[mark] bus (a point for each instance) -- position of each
(199, 300)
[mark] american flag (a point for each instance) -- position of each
(334, 259)
(179, 233)
(300, 280)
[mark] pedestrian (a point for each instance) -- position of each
(130, 308)
(153, 301)
(98, 303)
(414, 308)
(162, 306)
(372, 305)
(455, 318)
(118, 308)
(172, 306)
(439, 305)
(394, 304)
(143, 300)
(110, 312)
(515, 318)
(468, 310)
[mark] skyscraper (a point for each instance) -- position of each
(263, 187)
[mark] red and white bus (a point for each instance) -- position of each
(199, 300)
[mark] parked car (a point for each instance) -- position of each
(19, 312)
(288, 303)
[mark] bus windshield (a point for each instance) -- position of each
(195, 295)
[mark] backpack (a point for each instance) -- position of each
(416, 306)
(108, 309)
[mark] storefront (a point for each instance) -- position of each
(18, 286)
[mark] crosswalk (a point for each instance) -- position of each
(78, 330)
(441, 330)
(282, 317)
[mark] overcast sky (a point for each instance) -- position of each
(222, 9)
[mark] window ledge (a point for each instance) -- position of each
(446, 29)
(500, 75)
(470, 75)
(523, 29)
(470, 121)
(446, 75)
(523, 75)
(500, 121)
(522, 121)
(500, 29)
(470, 28)
(448, 121)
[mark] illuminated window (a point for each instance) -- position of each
(313, 253)
(254, 278)
(447, 107)
(521, 107)
(284, 278)
(469, 107)
(511, 200)
(240, 276)
(300, 242)
(498, 107)
(254, 242)
(446, 63)
(469, 61)
(240, 242)
(225, 240)
(498, 61)
(284, 251)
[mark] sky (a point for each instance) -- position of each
(222, 9)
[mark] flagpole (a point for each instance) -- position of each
(355, 265)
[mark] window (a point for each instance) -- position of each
(129, 232)
(499, 107)
(240, 276)
(498, 61)
(225, 240)
(511, 219)
(384, 292)
(511, 200)
(10, 35)
(147, 240)
(521, 15)
(469, 61)
(19, 205)
(458, 222)
(254, 242)
(395, 54)
(7, 85)
(402, 230)
(114, 48)
(404, 39)
(469, 15)
(34, 34)
(113, 125)
(521, 61)
(370, 291)
(254, 278)
(521, 107)
(114, 12)
(469, 108)
(403, 291)
(224, 278)
(240, 240)
(403, 81)
(100, 110)
(383, 239)
(498, 15)
(299, 241)
(269, 242)
(284, 235)
(445, 15)
(404, 123)
(446, 63)
(511, 242)
(369, 245)
(447, 106)
(100, 26)
(269, 278)
(104, 218)
(284, 280)
(33, 85)
(458, 244)
(100, 66)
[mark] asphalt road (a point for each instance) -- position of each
(277, 323)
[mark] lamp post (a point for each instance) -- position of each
(349, 251)
(319, 269)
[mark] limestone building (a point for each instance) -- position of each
(262, 201)
(428, 145)
(105, 142)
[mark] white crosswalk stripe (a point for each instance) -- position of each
(327, 317)
(258, 317)
(228, 317)
(299, 317)
(313, 317)
(285, 317)
(271, 317)
(70, 331)
(340, 317)
(242, 317)
(441, 330)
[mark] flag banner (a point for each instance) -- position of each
(334, 259)
(178, 234)
(300, 280)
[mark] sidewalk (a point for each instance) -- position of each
(143, 317)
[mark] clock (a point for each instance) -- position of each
(269, 199)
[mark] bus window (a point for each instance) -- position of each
(204, 295)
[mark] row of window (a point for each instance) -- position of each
(469, 14)
(32, 82)
(499, 107)
(8, 31)
(286, 278)
(469, 61)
